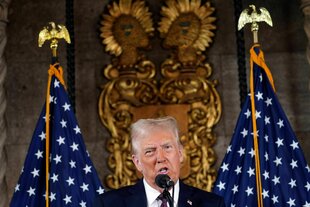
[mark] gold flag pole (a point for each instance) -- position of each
(50, 34)
(254, 18)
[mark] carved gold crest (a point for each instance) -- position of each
(125, 29)
(187, 26)
(180, 87)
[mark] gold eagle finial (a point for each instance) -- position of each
(53, 34)
(254, 18)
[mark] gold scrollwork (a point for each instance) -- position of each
(183, 90)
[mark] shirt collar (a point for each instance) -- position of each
(152, 194)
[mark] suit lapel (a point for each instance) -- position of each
(185, 196)
(137, 196)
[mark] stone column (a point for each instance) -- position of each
(305, 6)
(3, 128)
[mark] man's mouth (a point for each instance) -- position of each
(163, 170)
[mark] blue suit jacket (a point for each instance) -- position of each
(134, 196)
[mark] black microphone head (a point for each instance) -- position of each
(163, 181)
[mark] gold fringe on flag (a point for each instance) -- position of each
(259, 60)
(58, 72)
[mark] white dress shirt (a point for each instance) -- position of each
(152, 194)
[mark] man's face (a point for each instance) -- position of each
(158, 153)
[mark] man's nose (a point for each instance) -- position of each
(161, 155)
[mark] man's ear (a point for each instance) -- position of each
(136, 161)
(181, 153)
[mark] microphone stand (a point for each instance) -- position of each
(167, 195)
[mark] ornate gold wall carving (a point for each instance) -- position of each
(182, 89)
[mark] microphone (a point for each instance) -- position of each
(164, 181)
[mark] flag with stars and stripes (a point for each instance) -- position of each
(284, 174)
(72, 180)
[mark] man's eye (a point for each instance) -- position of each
(149, 152)
(167, 147)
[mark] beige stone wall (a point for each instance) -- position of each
(284, 46)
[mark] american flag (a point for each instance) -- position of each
(73, 180)
(285, 175)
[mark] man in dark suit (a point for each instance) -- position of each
(157, 150)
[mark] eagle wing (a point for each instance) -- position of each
(244, 19)
(43, 35)
(63, 33)
(264, 16)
